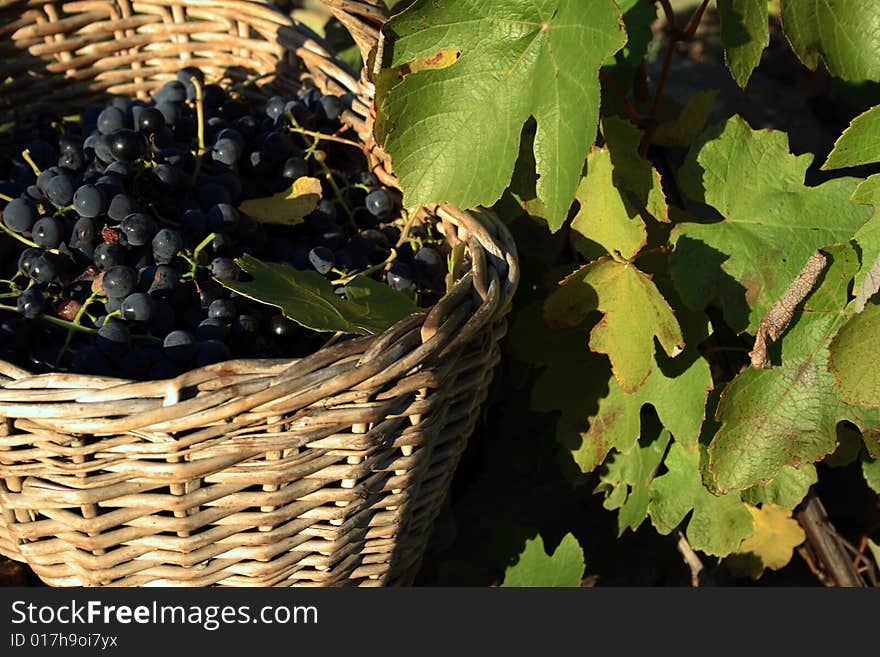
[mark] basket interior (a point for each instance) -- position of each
(72, 53)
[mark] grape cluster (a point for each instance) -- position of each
(122, 224)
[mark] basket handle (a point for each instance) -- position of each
(363, 19)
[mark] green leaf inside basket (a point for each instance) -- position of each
(308, 298)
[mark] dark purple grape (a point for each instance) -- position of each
(166, 244)
(164, 282)
(275, 107)
(107, 256)
(224, 269)
(26, 260)
(126, 145)
(330, 107)
(399, 277)
(19, 215)
(223, 218)
(211, 329)
(138, 307)
(180, 346)
(44, 269)
(113, 337)
(282, 327)
(111, 120)
(121, 206)
(226, 151)
(119, 281)
(60, 191)
(31, 303)
(428, 264)
(89, 201)
(378, 203)
(150, 121)
(171, 92)
(322, 259)
(48, 232)
(295, 167)
(222, 309)
(138, 229)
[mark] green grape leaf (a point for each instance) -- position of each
(519, 58)
(717, 525)
(625, 481)
(772, 222)
(745, 32)
(867, 280)
(308, 299)
(787, 415)
(691, 120)
(842, 33)
(855, 360)
(635, 312)
(859, 144)
(772, 544)
(787, 489)
(535, 568)
(871, 471)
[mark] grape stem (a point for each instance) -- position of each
(345, 280)
(26, 154)
(77, 322)
(5, 198)
(328, 174)
(194, 261)
(55, 320)
(320, 136)
(200, 118)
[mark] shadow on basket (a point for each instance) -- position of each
(325, 470)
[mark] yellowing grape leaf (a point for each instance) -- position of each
(536, 568)
(855, 359)
(772, 543)
(788, 415)
(288, 207)
(842, 33)
(635, 312)
(625, 481)
(859, 143)
(772, 222)
(745, 32)
(519, 58)
(717, 524)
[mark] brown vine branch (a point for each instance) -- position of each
(675, 36)
(628, 107)
(780, 315)
(826, 547)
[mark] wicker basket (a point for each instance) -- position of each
(326, 470)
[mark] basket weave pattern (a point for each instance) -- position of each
(326, 470)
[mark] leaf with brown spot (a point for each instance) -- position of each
(788, 415)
